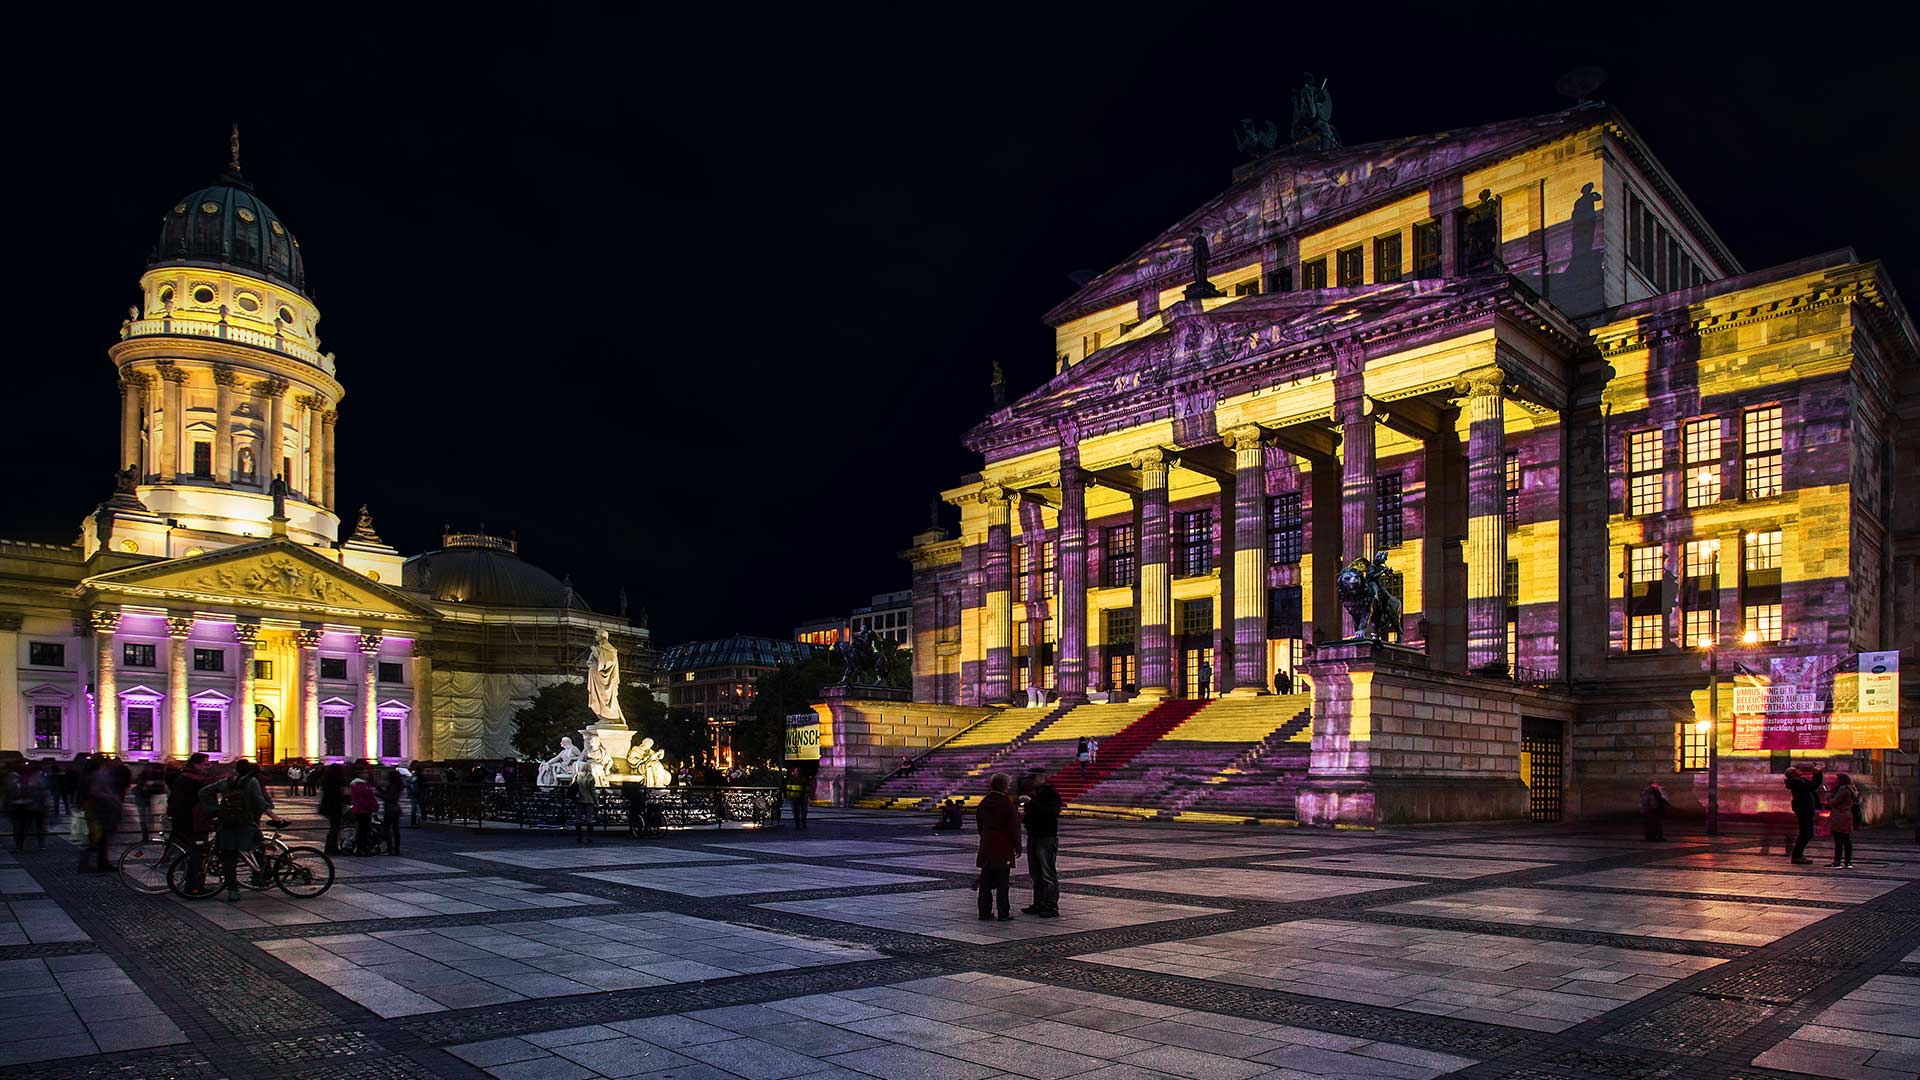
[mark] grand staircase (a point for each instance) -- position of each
(1120, 748)
(1242, 756)
(953, 766)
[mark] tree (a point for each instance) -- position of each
(561, 710)
(761, 735)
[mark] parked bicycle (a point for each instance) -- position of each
(303, 872)
(143, 865)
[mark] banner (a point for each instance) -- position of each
(1829, 702)
(803, 737)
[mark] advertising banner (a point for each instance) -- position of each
(803, 737)
(1829, 702)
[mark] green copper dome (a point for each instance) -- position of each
(226, 226)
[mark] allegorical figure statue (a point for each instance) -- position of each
(603, 680)
(597, 762)
(1366, 591)
(558, 769)
(649, 763)
(1313, 115)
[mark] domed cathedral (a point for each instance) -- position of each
(210, 604)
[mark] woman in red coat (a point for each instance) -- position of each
(999, 823)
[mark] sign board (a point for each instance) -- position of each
(1826, 702)
(803, 737)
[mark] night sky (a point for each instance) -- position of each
(702, 308)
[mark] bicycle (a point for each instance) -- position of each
(301, 872)
(143, 866)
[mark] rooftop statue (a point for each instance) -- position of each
(999, 386)
(1255, 139)
(1313, 115)
(1365, 589)
(603, 679)
(1201, 288)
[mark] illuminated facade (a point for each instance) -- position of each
(889, 617)
(208, 605)
(1516, 359)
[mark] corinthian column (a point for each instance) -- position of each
(1358, 508)
(179, 715)
(224, 380)
(248, 635)
(1486, 521)
(170, 445)
(316, 482)
(997, 572)
(1154, 628)
(1249, 559)
(328, 419)
(1070, 674)
(308, 693)
(275, 391)
(133, 406)
(369, 695)
(106, 697)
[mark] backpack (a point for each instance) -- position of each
(234, 813)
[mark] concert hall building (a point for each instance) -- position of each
(1516, 358)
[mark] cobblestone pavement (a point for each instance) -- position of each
(852, 950)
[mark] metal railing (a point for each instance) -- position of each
(641, 811)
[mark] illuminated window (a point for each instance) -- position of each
(1703, 461)
(1644, 632)
(1513, 645)
(1760, 446)
(207, 725)
(1426, 249)
(1351, 267)
(1313, 275)
(1284, 529)
(1121, 562)
(1512, 591)
(1760, 608)
(263, 669)
(1762, 621)
(140, 727)
(1646, 615)
(1193, 530)
(1019, 572)
(1703, 626)
(135, 654)
(1691, 746)
(1049, 568)
(1700, 596)
(1386, 258)
(1388, 529)
(1513, 488)
(1703, 560)
(1196, 618)
(1646, 482)
(48, 722)
(209, 660)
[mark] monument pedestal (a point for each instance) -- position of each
(618, 739)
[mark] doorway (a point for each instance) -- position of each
(1543, 767)
(263, 750)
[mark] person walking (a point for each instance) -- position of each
(998, 822)
(1805, 788)
(800, 793)
(1653, 811)
(60, 785)
(1042, 819)
(1845, 804)
(235, 805)
(391, 792)
(101, 801)
(416, 777)
(1084, 754)
(333, 803)
(363, 803)
(187, 827)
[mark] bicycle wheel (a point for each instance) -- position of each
(305, 872)
(143, 866)
(180, 873)
(256, 868)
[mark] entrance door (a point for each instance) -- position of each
(263, 751)
(1543, 766)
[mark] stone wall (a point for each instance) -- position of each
(862, 742)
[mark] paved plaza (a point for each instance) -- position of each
(853, 950)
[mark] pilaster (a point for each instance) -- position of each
(308, 692)
(314, 484)
(173, 385)
(1071, 672)
(133, 408)
(420, 719)
(370, 695)
(248, 636)
(327, 420)
(1358, 506)
(106, 696)
(275, 391)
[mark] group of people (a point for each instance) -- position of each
(365, 790)
(1807, 794)
(1001, 819)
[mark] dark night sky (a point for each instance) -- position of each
(701, 308)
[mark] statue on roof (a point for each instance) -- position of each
(1313, 115)
(999, 386)
(1201, 288)
(1255, 139)
(278, 489)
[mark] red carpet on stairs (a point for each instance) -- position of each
(1121, 747)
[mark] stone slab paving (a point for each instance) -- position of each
(962, 862)
(1865, 867)
(1873, 1033)
(819, 849)
(36, 922)
(381, 866)
(951, 914)
(63, 1006)
(1489, 978)
(408, 972)
(15, 882)
(1731, 922)
(573, 858)
(1830, 887)
(1179, 852)
(1507, 850)
(966, 1026)
(386, 900)
(747, 878)
(1243, 884)
(1392, 862)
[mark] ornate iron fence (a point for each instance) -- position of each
(641, 811)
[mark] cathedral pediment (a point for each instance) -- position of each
(272, 575)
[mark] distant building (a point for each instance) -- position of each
(826, 630)
(714, 680)
(889, 615)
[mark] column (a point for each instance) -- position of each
(1070, 670)
(133, 406)
(1358, 509)
(316, 485)
(327, 420)
(106, 696)
(1249, 559)
(275, 391)
(248, 635)
(307, 692)
(1328, 621)
(1443, 598)
(1486, 521)
(179, 714)
(998, 573)
(224, 380)
(173, 383)
(1153, 626)
(369, 694)
(420, 719)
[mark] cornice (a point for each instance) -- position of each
(213, 351)
(1640, 337)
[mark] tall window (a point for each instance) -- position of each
(1386, 258)
(1690, 750)
(208, 723)
(1512, 592)
(203, 459)
(1646, 614)
(1513, 488)
(1049, 568)
(1284, 618)
(136, 654)
(1760, 618)
(1701, 592)
(1019, 571)
(1196, 644)
(1284, 529)
(1351, 266)
(1426, 249)
(48, 720)
(1387, 526)
(1703, 461)
(140, 727)
(1313, 275)
(1194, 529)
(1646, 480)
(333, 734)
(1122, 562)
(389, 735)
(1121, 663)
(1760, 449)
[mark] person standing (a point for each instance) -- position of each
(998, 822)
(1653, 811)
(1282, 681)
(800, 793)
(1805, 788)
(1043, 847)
(1084, 754)
(101, 800)
(333, 803)
(1845, 803)
(235, 805)
(1206, 679)
(364, 804)
(391, 792)
(187, 828)
(416, 777)
(585, 802)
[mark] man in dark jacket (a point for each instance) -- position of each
(1043, 848)
(187, 827)
(1806, 789)
(999, 823)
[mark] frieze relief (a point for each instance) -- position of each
(276, 576)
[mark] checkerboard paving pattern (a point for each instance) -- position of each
(1179, 852)
(818, 849)
(968, 1026)
(1864, 866)
(352, 902)
(407, 972)
(1873, 1033)
(36, 922)
(573, 858)
(1833, 887)
(353, 868)
(1730, 922)
(1496, 850)
(62, 1006)
(746, 878)
(1376, 862)
(1243, 884)
(952, 914)
(1488, 978)
(962, 862)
